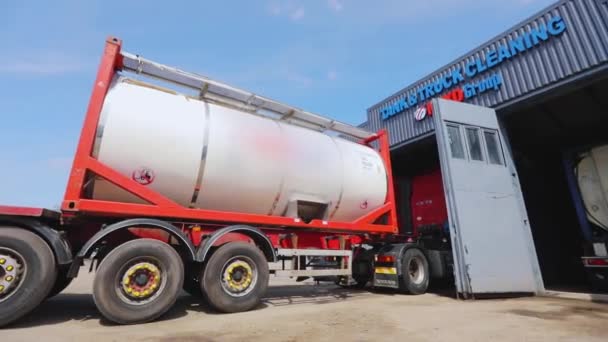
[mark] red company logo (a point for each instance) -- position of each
(427, 109)
(143, 176)
(420, 113)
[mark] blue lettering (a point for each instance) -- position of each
(491, 59)
(469, 91)
(481, 85)
(470, 70)
(556, 25)
(503, 53)
(412, 100)
(447, 82)
(457, 76)
(497, 81)
(438, 86)
(517, 45)
(384, 113)
(442, 83)
(480, 66)
(398, 106)
(429, 90)
(527, 40)
(421, 94)
(539, 34)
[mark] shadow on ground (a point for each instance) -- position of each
(81, 307)
(564, 310)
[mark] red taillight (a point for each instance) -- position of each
(385, 258)
(596, 262)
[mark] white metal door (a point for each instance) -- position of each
(491, 239)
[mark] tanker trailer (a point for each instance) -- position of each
(587, 175)
(182, 182)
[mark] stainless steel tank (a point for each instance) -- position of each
(211, 156)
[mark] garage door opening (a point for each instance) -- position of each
(540, 135)
(421, 205)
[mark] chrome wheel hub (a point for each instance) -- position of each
(416, 270)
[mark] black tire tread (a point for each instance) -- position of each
(406, 286)
(61, 283)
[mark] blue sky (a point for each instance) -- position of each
(333, 57)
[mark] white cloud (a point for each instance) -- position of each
(274, 9)
(40, 63)
(296, 78)
(332, 75)
(388, 11)
(335, 5)
(290, 9)
(297, 14)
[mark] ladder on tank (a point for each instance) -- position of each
(219, 92)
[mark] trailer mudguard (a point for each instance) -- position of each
(58, 244)
(138, 222)
(260, 239)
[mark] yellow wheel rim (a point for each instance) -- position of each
(141, 281)
(239, 276)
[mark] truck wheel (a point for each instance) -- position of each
(27, 273)
(415, 272)
(138, 281)
(235, 278)
(61, 283)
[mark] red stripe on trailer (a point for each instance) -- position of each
(22, 211)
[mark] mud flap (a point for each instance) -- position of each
(387, 265)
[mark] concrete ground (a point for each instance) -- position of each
(295, 312)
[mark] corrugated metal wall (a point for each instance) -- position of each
(582, 47)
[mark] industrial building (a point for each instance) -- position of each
(546, 78)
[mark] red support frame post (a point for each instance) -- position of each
(110, 61)
(162, 207)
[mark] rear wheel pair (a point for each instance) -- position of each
(140, 280)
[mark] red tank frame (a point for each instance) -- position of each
(75, 203)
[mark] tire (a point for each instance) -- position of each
(217, 289)
(36, 277)
(415, 272)
(61, 283)
(138, 281)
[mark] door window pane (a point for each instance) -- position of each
(455, 142)
(474, 141)
(494, 150)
